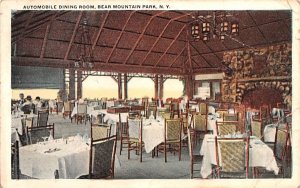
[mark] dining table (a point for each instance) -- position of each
(68, 156)
(260, 155)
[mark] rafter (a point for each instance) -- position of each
(34, 28)
(73, 35)
(189, 55)
(255, 24)
(140, 36)
(117, 42)
(157, 39)
(46, 36)
(178, 56)
(170, 45)
(201, 55)
(99, 30)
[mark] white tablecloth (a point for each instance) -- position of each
(72, 160)
(153, 134)
(211, 123)
(270, 132)
(260, 155)
(110, 103)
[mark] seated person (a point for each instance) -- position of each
(21, 101)
(28, 106)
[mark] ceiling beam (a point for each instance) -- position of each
(170, 45)
(99, 66)
(206, 70)
(141, 35)
(114, 29)
(157, 39)
(177, 56)
(189, 56)
(46, 36)
(73, 35)
(35, 28)
(99, 30)
(201, 55)
(119, 37)
(255, 24)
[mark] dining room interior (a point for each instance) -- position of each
(211, 99)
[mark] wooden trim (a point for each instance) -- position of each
(270, 78)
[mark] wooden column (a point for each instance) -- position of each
(161, 86)
(71, 84)
(119, 86)
(79, 84)
(156, 87)
(189, 86)
(125, 86)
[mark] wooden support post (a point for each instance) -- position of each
(79, 84)
(156, 87)
(119, 86)
(189, 86)
(125, 86)
(161, 87)
(71, 84)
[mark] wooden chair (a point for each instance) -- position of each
(232, 157)
(68, 108)
(222, 112)
(194, 159)
(175, 111)
(81, 113)
(199, 125)
(203, 109)
(225, 128)
(59, 106)
(281, 149)
(135, 136)
(42, 119)
(172, 137)
(123, 133)
(15, 163)
(99, 131)
(257, 128)
(151, 110)
(102, 158)
(36, 133)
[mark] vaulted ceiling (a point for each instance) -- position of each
(137, 41)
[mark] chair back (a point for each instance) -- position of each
(222, 112)
(225, 128)
(60, 106)
(42, 119)
(232, 154)
(281, 141)
(15, 163)
(135, 127)
(81, 108)
(203, 108)
(173, 129)
(199, 122)
(165, 115)
(167, 107)
(100, 131)
(68, 107)
(256, 128)
(150, 109)
(102, 157)
(36, 133)
(230, 117)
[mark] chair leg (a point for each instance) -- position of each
(180, 151)
(192, 170)
(165, 151)
(141, 148)
(129, 145)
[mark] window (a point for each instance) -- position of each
(213, 85)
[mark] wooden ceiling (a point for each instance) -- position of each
(137, 41)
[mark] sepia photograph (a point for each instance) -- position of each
(150, 92)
